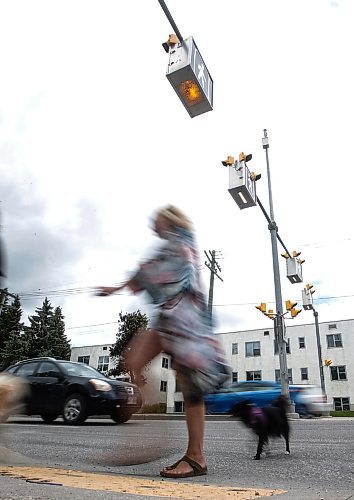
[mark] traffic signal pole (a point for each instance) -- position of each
(319, 351)
(279, 325)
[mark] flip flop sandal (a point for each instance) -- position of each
(197, 469)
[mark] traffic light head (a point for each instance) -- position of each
(285, 255)
(255, 177)
(262, 307)
(327, 362)
(296, 254)
(270, 313)
(244, 157)
(295, 312)
(309, 287)
(289, 305)
(230, 160)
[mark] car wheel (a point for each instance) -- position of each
(74, 411)
(120, 417)
(49, 417)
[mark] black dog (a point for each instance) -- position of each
(265, 422)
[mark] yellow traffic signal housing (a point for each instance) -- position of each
(230, 160)
(244, 157)
(309, 287)
(295, 312)
(285, 255)
(172, 40)
(300, 261)
(255, 177)
(327, 362)
(296, 254)
(262, 307)
(289, 305)
(270, 313)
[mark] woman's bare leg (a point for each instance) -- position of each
(141, 350)
(195, 419)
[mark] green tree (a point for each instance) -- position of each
(13, 343)
(129, 325)
(60, 345)
(39, 331)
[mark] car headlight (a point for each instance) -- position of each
(100, 385)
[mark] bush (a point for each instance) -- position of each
(345, 413)
(156, 408)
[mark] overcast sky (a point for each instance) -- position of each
(93, 139)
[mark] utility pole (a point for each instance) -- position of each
(214, 267)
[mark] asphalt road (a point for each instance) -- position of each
(321, 463)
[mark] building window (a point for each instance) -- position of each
(333, 326)
(276, 347)
(164, 362)
(334, 340)
(302, 344)
(341, 404)
(266, 333)
(235, 376)
(304, 373)
(163, 386)
(255, 375)
(179, 406)
(104, 348)
(290, 376)
(253, 349)
(103, 362)
(234, 348)
(84, 359)
(338, 373)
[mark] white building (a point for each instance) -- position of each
(252, 356)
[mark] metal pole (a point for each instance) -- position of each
(211, 285)
(170, 18)
(279, 327)
(319, 350)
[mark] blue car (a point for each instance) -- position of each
(259, 392)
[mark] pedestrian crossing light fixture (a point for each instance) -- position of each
(293, 267)
(307, 299)
(327, 362)
(242, 182)
(189, 76)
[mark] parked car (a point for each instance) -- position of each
(308, 399)
(75, 391)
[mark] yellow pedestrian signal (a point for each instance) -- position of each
(300, 261)
(289, 305)
(327, 362)
(230, 160)
(295, 312)
(296, 254)
(285, 255)
(262, 307)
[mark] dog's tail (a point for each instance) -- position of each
(281, 402)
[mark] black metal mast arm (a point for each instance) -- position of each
(170, 18)
(272, 223)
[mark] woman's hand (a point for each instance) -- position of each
(103, 291)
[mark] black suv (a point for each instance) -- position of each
(75, 391)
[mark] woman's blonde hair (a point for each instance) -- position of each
(175, 217)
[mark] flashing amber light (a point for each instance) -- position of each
(190, 93)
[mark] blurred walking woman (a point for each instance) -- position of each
(182, 329)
